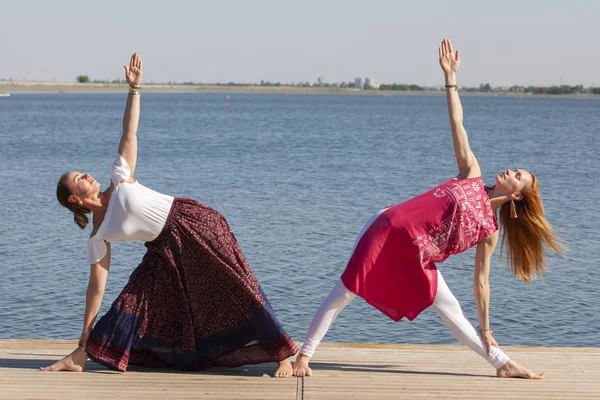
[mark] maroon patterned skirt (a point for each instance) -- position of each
(192, 303)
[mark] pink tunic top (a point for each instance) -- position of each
(393, 264)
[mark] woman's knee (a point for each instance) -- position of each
(340, 296)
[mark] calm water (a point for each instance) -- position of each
(297, 176)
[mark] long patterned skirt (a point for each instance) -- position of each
(192, 303)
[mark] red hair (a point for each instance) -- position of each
(524, 237)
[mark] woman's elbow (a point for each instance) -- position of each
(481, 285)
(95, 289)
(456, 122)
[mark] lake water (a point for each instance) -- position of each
(297, 176)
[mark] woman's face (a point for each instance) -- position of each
(512, 182)
(82, 186)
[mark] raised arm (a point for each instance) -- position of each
(128, 144)
(481, 287)
(94, 294)
(467, 163)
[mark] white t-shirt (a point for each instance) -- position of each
(134, 213)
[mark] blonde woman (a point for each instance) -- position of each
(393, 263)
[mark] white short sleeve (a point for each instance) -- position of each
(96, 250)
(120, 170)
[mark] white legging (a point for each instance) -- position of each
(445, 304)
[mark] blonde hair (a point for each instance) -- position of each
(524, 237)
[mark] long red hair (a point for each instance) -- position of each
(524, 237)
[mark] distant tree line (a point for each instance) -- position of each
(265, 83)
(397, 86)
(549, 90)
(563, 89)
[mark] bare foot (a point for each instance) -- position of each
(74, 362)
(301, 366)
(514, 370)
(284, 370)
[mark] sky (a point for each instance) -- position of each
(526, 42)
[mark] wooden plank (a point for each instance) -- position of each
(341, 371)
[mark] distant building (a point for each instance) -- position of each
(359, 83)
(370, 83)
(321, 80)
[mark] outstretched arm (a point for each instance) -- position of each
(128, 144)
(95, 290)
(481, 287)
(94, 294)
(467, 163)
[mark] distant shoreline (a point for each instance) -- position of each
(88, 88)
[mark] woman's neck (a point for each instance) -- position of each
(99, 205)
(496, 199)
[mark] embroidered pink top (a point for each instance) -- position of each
(393, 264)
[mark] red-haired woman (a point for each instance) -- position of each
(193, 302)
(393, 266)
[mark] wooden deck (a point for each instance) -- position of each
(341, 371)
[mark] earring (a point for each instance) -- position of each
(513, 209)
(81, 202)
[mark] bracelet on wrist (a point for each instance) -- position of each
(482, 330)
(135, 87)
(134, 91)
(450, 86)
